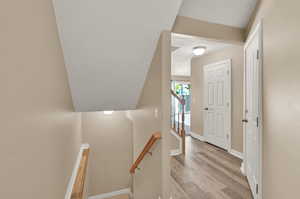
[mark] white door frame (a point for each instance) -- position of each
(258, 30)
(228, 148)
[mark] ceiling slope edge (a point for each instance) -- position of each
(108, 47)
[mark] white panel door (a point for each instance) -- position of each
(217, 105)
(252, 112)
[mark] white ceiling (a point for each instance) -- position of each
(183, 53)
(227, 12)
(108, 46)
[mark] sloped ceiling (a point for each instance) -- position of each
(234, 13)
(108, 46)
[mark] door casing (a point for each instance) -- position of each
(228, 115)
(257, 31)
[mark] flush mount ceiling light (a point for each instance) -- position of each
(199, 50)
(108, 112)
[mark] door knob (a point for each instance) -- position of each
(206, 109)
(245, 120)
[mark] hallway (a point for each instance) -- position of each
(207, 172)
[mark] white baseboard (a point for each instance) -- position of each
(231, 151)
(236, 154)
(75, 170)
(112, 194)
(197, 136)
(175, 152)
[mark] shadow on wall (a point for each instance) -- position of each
(111, 141)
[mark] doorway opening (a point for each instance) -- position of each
(182, 89)
(203, 87)
(207, 113)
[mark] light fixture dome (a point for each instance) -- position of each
(199, 50)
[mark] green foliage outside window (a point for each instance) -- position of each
(182, 89)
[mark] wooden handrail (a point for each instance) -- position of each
(148, 146)
(78, 187)
(181, 100)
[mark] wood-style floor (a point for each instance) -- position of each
(207, 172)
(122, 196)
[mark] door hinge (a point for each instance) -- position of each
(257, 122)
(227, 72)
(227, 136)
(256, 187)
(257, 54)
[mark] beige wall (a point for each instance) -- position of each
(152, 115)
(110, 138)
(281, 86)
(235, 53)
(166, 113)
(146, 120)
(190, 26)
(40, 132)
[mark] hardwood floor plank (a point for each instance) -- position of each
(207, 172)
(194, 192)
(221, 166)
(224, 178)
(177, 191)
(234, 195)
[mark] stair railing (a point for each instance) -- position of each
(154, 138)
(180, 127)
(78, 186)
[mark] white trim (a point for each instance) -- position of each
(84, 146)
(258, 30)
(197, 136)
(75, 170)
(229, 108)
(226, 61)
(236, 154)
(175, 134)
(175, 152)
(112, 194)
(243, 168)
(260, 196)
(181, 81)
(252, 34)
